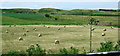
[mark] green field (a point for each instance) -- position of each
(68, 18)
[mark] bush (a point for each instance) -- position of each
(16, 53)
(56, 19)
(72, 51)
(36, 50)
(107, 46)
(118, 42)
(47, 15)
(117, 46)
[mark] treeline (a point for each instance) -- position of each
(108, 10)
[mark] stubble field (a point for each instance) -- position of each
(72, 35)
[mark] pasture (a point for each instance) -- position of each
(73, 35)
(37, 19)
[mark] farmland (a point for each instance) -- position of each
(72, 35)
(75, 34)
(63, 17)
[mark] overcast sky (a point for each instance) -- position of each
(59, 0)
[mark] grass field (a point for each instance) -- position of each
(72, 35)
(37, 19)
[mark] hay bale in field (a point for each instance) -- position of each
(57, 42)
(112, 27)
(27, 30)
(64, 26)
(93, 29)
(103, 34)
(6, 31)
(39, 35)
(9, 25)
(20, 38)
(24, 34)
(48, 27)
(58, 28)
(23, 28)
(105, 29)
(35, 29)
(32, 45)
(43, 25)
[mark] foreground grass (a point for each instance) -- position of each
(72, 35)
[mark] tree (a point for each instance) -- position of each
(92, 20)
(56, 19)
(47, 15)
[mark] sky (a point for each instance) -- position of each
(60, 4)
(59, 0)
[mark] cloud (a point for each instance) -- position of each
(59, 0)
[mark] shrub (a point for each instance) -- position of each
(117, 45)
(56, 19)
(36, 50)
(107, 46)
(16, 53)
(47, 15)
(72, 51)
(118, 42)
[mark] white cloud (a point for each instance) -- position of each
(59, 0)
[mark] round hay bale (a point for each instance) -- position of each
(20, 38)
(103, 34)
(48, 27)
(35, 29)
(39, 35)
(24, 34)
(57, 42)
(32, 45)
(64, 26)
(104, 29)
(23, 28)
(112, 27)
(9, 25)
(6, 31)
(58, 28)
(27, 30)
(93, 29)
